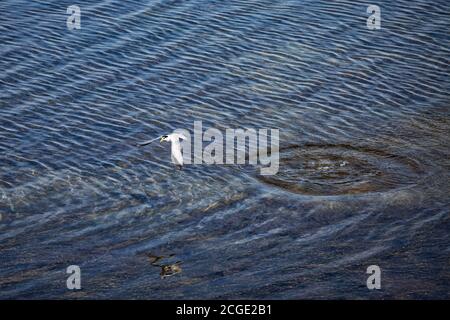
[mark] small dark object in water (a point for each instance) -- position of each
(167, 270)
(154, 259)
(170, 269)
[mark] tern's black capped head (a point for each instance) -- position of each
(163, 138)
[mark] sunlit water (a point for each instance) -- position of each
(364, 156)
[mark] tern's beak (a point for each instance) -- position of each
(161, 140)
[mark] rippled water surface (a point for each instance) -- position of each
(364, 149)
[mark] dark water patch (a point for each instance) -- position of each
(338, 169)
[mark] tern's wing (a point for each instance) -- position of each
(177, 157)
(141, 144)
(177, 136)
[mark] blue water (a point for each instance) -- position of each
(75, 190)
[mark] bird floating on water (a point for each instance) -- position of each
(174, 138)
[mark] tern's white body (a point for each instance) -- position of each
(174, 138)
(177, 156)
